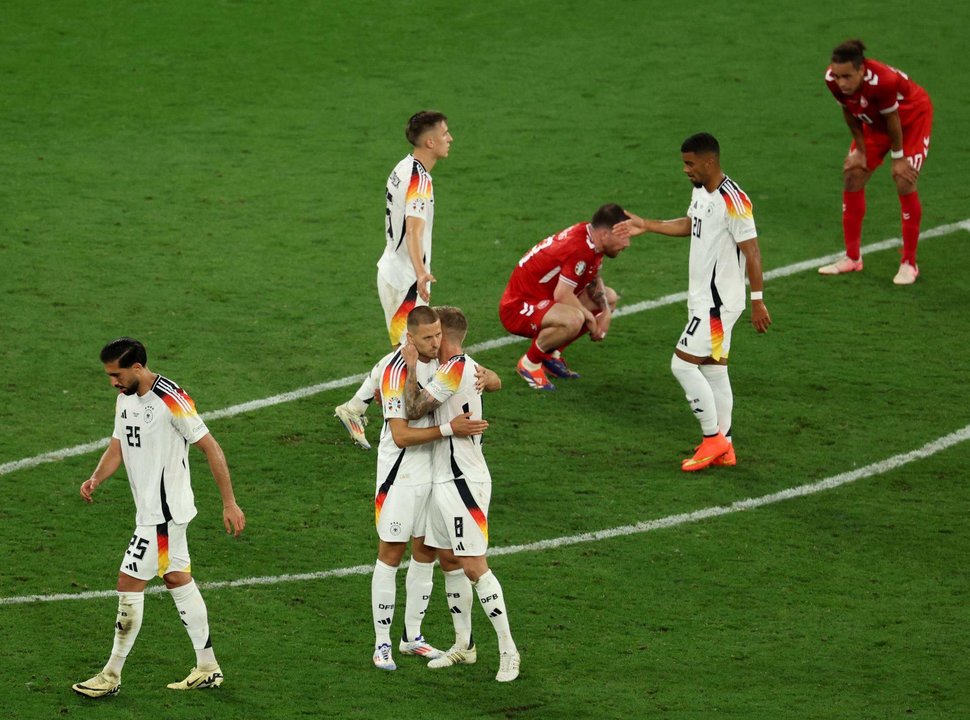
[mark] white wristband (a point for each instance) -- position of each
(896, 154)
(757, 294)
(446, 430)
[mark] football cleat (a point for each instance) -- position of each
(101, 685)
(508, 666)
(419, 646)
(353, 423)
(455, 656)
(383, 659)
(845, 264)
(536, 378)
(558, 367)
(707, 452)
(201, 678)
(907, 274)
(727, 459)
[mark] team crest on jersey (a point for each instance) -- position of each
(709, 211)
(149, 414)
(580, 267)
(544, 303)
(863, 103)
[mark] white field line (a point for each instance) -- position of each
(301, 393)
(877, 468)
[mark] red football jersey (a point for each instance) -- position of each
(883, 90)
(569, 255)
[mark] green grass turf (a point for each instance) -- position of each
(207, 177)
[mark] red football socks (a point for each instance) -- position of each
(853, 210)
(912, 212)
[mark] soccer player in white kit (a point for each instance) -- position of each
(155, 422)
(404, 489)
(458, 517)
(404, 270)
(723, 249)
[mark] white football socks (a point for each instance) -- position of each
(717, 378)
(699, 393)
(458, 592)
(493, 603)
(131, 609)
(418, 584)
(195, 617)
(364, 395)
(383, 591)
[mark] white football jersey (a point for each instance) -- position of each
(155, 431)
(453, 385)
(719, 221)
(409, 194)
(395, 465)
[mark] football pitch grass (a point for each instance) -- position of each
(207, 177)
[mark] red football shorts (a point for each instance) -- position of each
(916, 142)
(523, 317)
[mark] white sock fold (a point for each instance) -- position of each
(458, 592)
(699, 393)
(492, 599)
(418, 584)
(717, 378)
(364, 395)
(383, 592)
(131, 609)
(195, 617)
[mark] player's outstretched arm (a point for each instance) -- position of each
(110, 461)
(232, 515)
(636, 225)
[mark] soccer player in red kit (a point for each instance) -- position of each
(555, 294)
(886, 113)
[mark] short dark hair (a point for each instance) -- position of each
(127, 351)
(454, 324)
(853, 51)
(701, 143)
(420, 123)
(421, 315)
(608, 215)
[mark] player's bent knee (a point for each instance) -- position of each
(474, 567)
(855, 180)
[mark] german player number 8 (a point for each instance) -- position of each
(459, 527)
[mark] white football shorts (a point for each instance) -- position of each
(157, 550)
(458, 518)
(397, 304)
(402, 513)
(708, 333)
